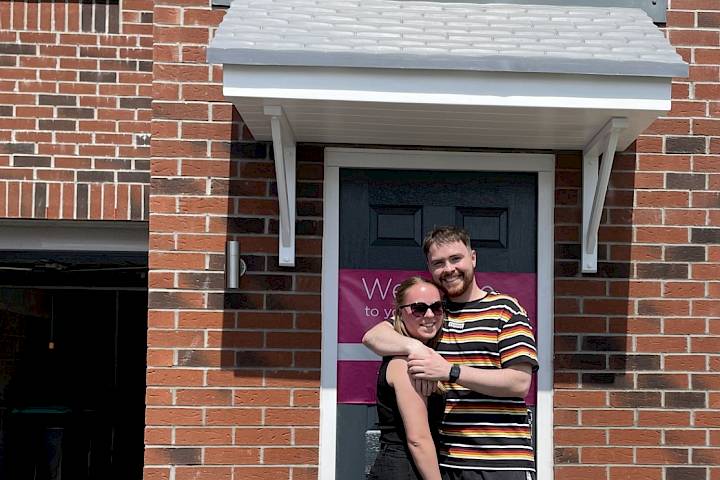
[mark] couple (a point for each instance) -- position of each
(483, 353)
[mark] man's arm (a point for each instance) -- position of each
(511, 381)
(384, 340)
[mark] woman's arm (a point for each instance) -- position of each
(413, 410)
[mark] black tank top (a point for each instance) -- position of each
(390, 424)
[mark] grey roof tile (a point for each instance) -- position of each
(439, 35)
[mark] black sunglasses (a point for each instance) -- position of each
(419, 309)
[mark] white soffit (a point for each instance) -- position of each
(462, 109)
(444, 74)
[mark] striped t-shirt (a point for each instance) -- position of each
(480, 431)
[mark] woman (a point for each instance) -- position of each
(407, 419)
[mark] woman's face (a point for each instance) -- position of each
(427, 325)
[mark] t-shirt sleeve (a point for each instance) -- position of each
(517, 342)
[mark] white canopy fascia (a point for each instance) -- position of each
(444, 108)
(596, 114)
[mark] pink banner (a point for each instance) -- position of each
(365, 297)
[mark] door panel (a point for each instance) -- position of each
(384, 216)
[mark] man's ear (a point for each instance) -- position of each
(474, 257)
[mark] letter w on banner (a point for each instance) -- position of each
(365, 297)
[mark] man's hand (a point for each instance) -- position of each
(428, 366)
(422, 386)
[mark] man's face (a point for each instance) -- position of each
(452, 266)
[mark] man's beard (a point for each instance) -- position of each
(457, 288)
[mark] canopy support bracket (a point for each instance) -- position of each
(285, 172)
(596, 175)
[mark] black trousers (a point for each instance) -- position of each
(458, 474)
(393, 462)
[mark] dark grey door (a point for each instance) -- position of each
(384, 215)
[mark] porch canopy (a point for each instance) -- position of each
(390, 72)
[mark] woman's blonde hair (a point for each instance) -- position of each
(400, 295)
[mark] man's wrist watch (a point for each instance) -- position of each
(454, 373)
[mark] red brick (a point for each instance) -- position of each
(231, 456)
(707, 91)
(636, 473)
(156, 473)
(634, 436)
(292, 416)
(661, 344)
(663, 199)
(181, 34)
(158, 436)
(682, 217)
(160, 358)
(615, 417)
(580, 399)
(204, 396)
(663, 307)
(202, 243)
(684, 437)
(233, 416)
(705, 344)
(684, 363)
(292, 456)
(684, 326)
(203, 473)
(175, 377)
(580, 473)
(705, 271)
(607, 455)
(238, 378)
(635, 289)
(203, 436)
(663, 418)
(262, 473)
(173, 416)
(262, 436)
(662, 456)
(261, 397)
(580, 436)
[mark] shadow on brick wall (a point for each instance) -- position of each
(271, 336)
(595, 315)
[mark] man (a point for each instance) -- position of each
(486, 357)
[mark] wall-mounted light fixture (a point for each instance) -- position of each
(234, 265)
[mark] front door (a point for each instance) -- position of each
(384, 215)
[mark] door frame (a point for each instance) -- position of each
(544, 166)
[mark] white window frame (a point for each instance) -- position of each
(337, 158)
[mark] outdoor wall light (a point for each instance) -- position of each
(235, 266)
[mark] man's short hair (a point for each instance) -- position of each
(444, 235)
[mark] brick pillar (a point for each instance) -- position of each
(233, 376)
(637, 388)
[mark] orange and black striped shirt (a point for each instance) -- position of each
(479, 431)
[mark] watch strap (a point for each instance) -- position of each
(454, 373)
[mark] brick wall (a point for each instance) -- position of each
(637, 389)
(232, 376)
(75, 109)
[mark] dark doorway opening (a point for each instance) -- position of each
(73, 347)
